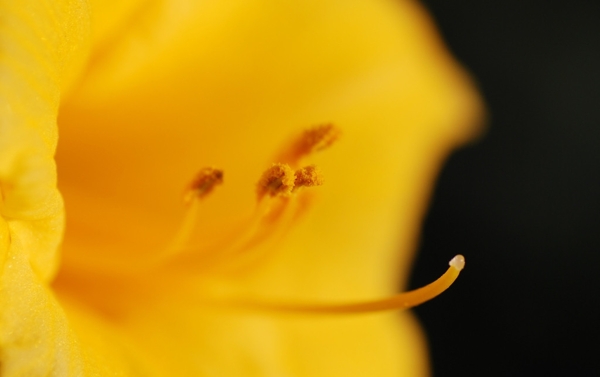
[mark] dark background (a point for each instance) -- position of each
(523, 205)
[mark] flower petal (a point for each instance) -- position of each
(42, 47)
(180, 335)
(182, 89)
(226, 84)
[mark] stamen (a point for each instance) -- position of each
(275, 212)
(273, 217)
(266, 240)
(312, 140)
(202, 185)
(279, 206)
(401, 301)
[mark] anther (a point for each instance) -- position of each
(311, 140)
(401, 301)
(318, 138)
(308, 176)
(202, 184)
(277, 181)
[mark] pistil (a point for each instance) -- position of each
(400, 301)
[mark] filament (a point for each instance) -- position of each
(261, 225)
(278, 207)
(400, 301)
(199, 188)
(261, 245)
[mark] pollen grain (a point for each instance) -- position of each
(308, 176)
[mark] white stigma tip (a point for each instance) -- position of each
(458, 262)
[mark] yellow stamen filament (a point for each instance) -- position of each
(264, 242)
(401, 301)
(203, 184)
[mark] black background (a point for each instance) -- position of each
(523, 204)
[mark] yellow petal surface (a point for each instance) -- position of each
(171, 87)
(42, 47)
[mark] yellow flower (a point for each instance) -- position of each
(145, 94)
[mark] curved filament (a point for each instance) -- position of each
(401, 301)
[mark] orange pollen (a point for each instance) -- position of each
(278, 180)
(308, 176)
(203, 184)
